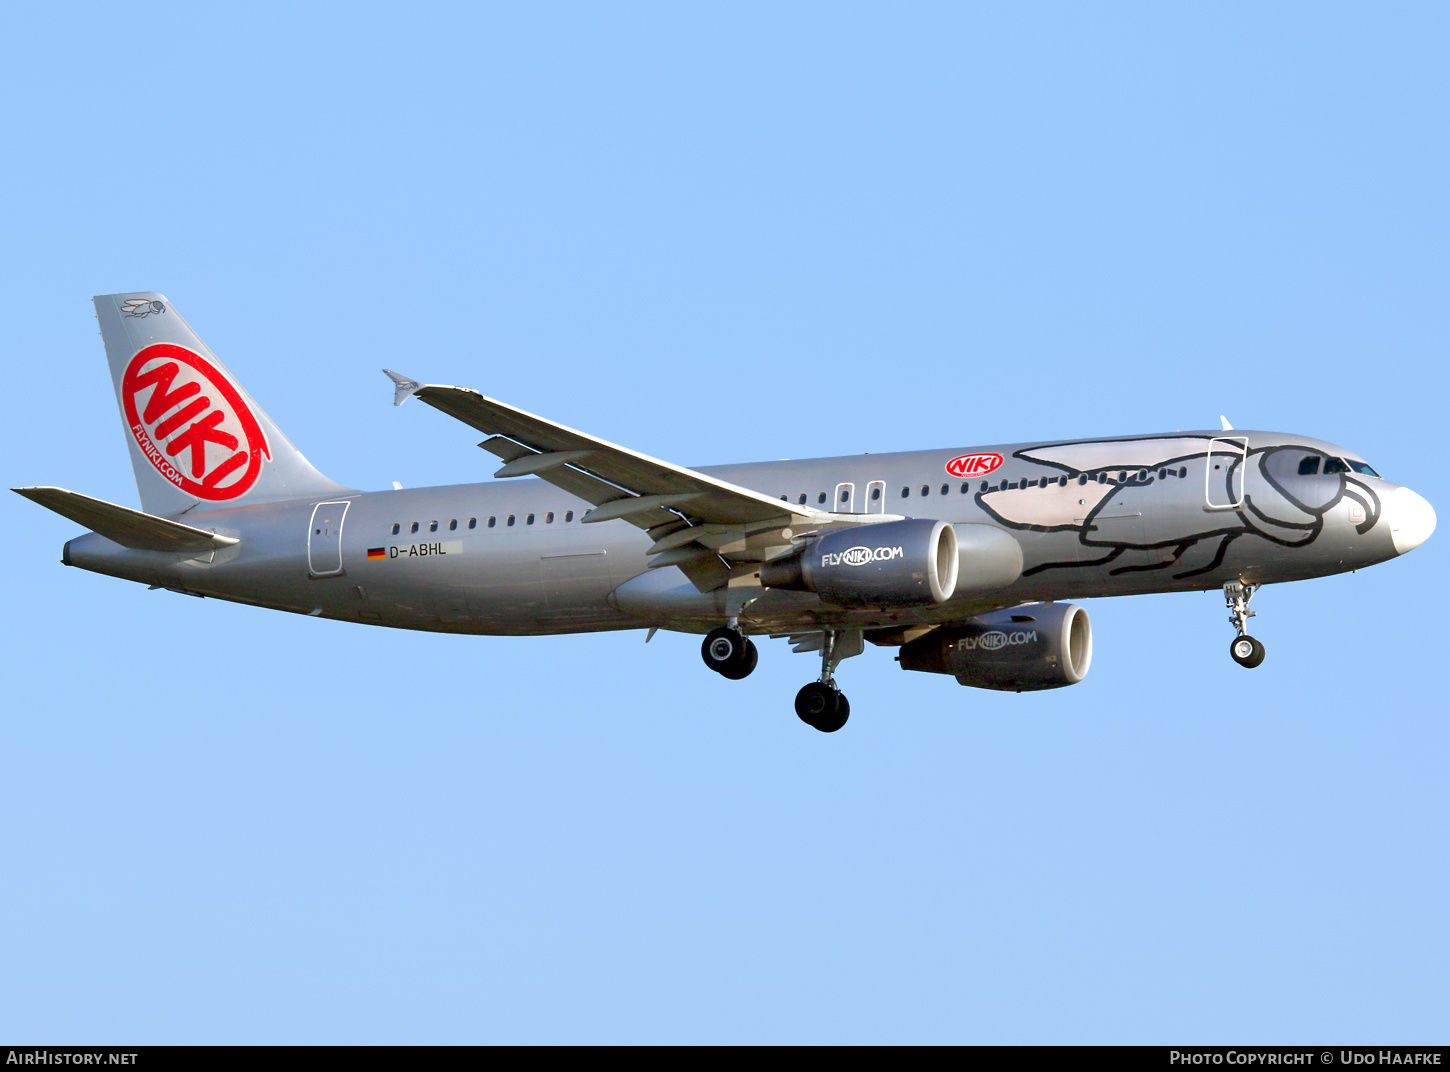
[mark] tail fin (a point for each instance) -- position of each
(194, 433)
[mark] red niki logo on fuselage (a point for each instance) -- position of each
(973, 464)
(192, 423)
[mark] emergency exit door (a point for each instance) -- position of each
(324, 539)
(876, 497)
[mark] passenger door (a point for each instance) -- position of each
(324, 539)
(1223, 487)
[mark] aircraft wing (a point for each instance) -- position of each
(704, 525)
(620, 482)
(127, 527)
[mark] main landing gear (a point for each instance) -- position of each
(821, 704)
(729, 653)
(1246, 651)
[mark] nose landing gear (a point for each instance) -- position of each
(1246, 651)
(729, 653)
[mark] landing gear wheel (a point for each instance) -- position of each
(727, 652)
(743, 670)
(1246, 651)
(822, 707)
(843, 712)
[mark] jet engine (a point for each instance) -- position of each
(1023, 649)
(895, 563)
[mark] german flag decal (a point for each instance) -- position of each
(377, 552)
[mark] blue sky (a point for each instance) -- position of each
(719, 234)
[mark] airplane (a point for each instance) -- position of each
(959, 558)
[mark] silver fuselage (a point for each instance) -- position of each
(512, 557)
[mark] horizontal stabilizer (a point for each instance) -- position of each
(127, 527)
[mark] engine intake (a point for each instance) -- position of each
(1024, 649)
(895, 563)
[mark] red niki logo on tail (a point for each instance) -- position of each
(192, 423)
(973, 464)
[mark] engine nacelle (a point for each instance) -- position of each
(893, 564)
(1024, 649)
(991, 558)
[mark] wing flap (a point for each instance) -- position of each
(127, 527)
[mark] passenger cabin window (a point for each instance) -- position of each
(1334, 465)
(905, 492)
(946, 488)
(529, 520)
(925, 490)
(414, 527)
(802, 499)
(432, 526)
(492, 521)
(396, 528)
(549, 518)
(1309, 466)
(453, 524)
(473, 522)
(511, 519)
(821, 498)
(569, 515)
(984, 487)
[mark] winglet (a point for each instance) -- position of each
(1222, 419)
(404, 388)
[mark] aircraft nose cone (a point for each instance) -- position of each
(1411, 519)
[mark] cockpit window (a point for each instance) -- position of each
(1309, 466)
(1334, 465)
(1360, 467)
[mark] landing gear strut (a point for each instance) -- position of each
(821, 704)
(729, 653)
(1246, 651)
